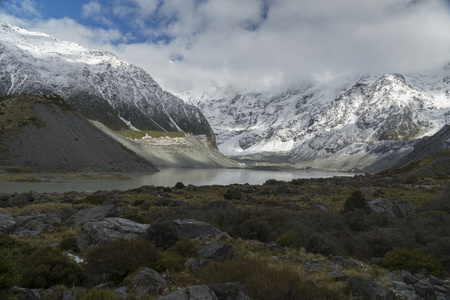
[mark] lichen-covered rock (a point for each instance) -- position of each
(425, 290)
(193, 229)
(363, 289)
(230, 291)
(145, 281)
(218, 251)
(96, 213)
(7, 223)
(95, 233)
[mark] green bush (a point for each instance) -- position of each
(163, 234)
(69, 242)
(169, 261)
(120, 257)
(185, 247)
(412, 260)
(43, 267)
(179, 185)
(286, 239)
(264, 281)
(9, 275)
(99, 294)
(355, 201)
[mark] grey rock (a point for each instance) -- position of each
(196, 292)
(381, 206)
(230, 291)
(193, 229)
(95, 233)
(425, 290)
(363, 289)
(193, 264)
(36, 222)
(67, 295)
(146, 281)
(25, 294)
(376, 261)
(121, 292)
(408, 278)
(440, 289)
(218, 251)
(435, 281)
(404, 209)
(23, 198)
(7, 223)
(96, 213)
(345, 262)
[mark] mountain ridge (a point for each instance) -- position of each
(96, 83)
(348, 123)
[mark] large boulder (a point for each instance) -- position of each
(145, 281)
(96, 213)
(33, 225)
(218, 251)
(230, 291)
(366, 289)
(7, 223)
(193, 229)
(95, 233)
(425, 290)
(399, 209)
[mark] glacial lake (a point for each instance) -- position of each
(166, 177)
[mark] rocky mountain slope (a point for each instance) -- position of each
(97, 84)
(43, 133)
(351, 122)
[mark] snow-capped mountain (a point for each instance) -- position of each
(348, 123)
(95, 83)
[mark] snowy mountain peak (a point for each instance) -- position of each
(346, 123)
(96, 83)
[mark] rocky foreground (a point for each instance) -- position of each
(302, 239)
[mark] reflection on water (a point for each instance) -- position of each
(167, 177)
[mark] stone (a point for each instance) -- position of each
(23, 198)
(146, 281)
(95, 233)
(230, 291)
(193, 229)
(221, 204)
(362, 288)
(381, 206)
(25, 294)
(315, 267)
(404, 209)
(338, 276)
(121, 292)
(408, 278)
(218, 251)
(194, 264)
(425, 290)
(196, 292)
(36, 222)
(7, 223)
(96, 213)
(345, 262)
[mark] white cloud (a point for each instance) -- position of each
(258, 44)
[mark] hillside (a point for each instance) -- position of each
(333, 238)
(43, 133)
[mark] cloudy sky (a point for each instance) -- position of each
(251, 44)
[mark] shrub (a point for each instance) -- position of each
(69, 242)
(163, 234)
(286, 239)
(120, 257)
(179, 185)
(9, 275)
(43, 267)
(169, 261)
(264, 281)
(355, 201)
(412, 260)
(99, 294)
(186, 248)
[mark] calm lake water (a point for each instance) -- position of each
(167, 177)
